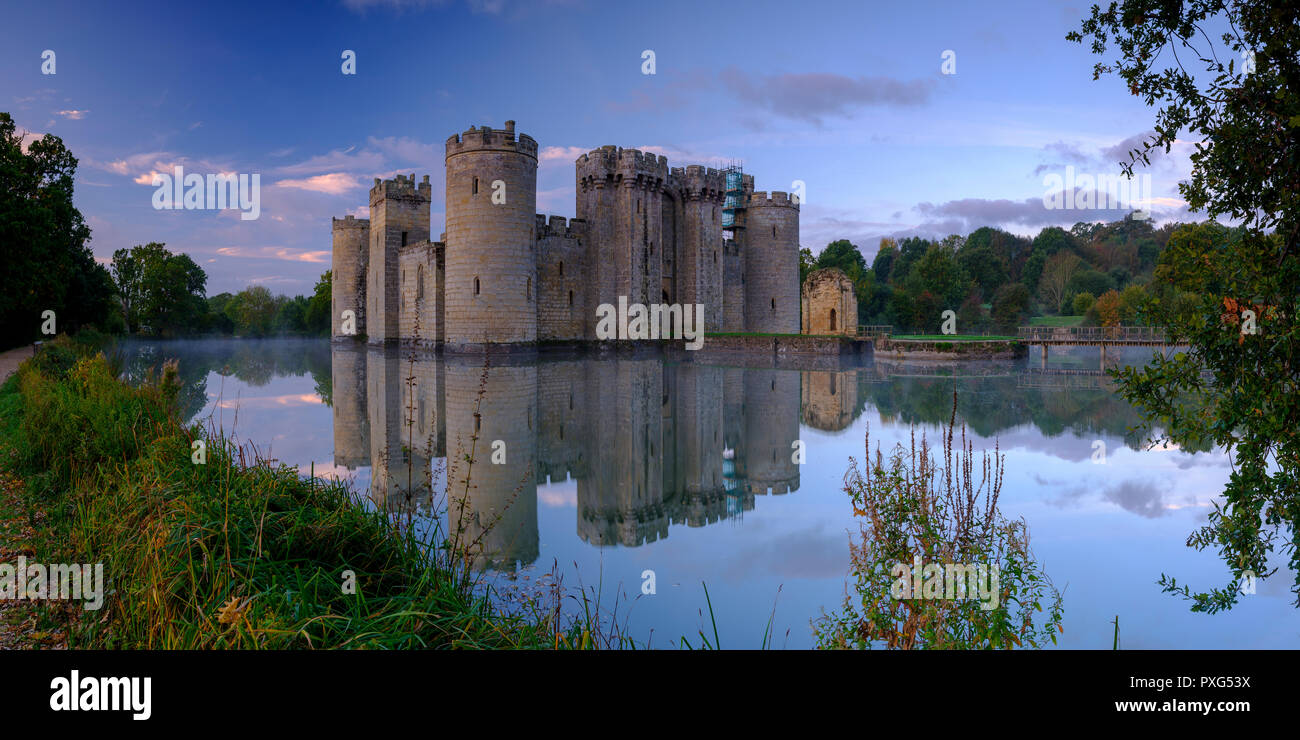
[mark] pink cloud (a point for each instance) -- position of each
(333, 183)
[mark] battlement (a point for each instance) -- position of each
(699, 181)
(402, 187)
(424, 244)
(559, 226)
(488, 138)
(351, 222)
(774, 199)
(626, 165)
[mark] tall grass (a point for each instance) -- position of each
(237, 552)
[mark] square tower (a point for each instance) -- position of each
(399, 215)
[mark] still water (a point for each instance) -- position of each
(608, 468)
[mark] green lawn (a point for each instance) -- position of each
(1056, 321)
(951, 337)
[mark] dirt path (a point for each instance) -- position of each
(19, 622)
(9, 361)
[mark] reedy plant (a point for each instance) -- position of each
(910, 504)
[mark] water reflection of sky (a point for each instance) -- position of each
(1103, 532)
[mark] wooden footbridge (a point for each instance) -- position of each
(1093, 336)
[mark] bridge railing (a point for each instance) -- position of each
(1065, 334)
(875, 330)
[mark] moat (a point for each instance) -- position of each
(608, 467)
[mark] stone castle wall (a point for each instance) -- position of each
(772, 264)
(504, 274)
(399, 215)
(828, 304)
(350, 262)
(562, 310)
(421, 290)
(491, 237)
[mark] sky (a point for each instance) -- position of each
(851, 99)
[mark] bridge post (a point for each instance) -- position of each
(1103, 356)
(1044, 358)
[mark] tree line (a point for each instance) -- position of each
(1106, 274)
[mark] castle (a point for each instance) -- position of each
(502, 274)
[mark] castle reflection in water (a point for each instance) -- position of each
(650, 443)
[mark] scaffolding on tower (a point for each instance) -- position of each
(733, 208)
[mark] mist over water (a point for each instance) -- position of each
(612, 467)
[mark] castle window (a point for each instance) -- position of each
(476, 291)
(419, 282)
(561, 268)
(570, 299)
(528, 290)
(832, 319)
(773, 304)
(403, 238)
(652, 248)
(773, 229)
(715, 256)
(638, 205)
(475, 190)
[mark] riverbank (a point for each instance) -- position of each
(229, 552)
(950, 348)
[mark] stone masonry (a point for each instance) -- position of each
(503, 274)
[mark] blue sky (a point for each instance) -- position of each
(847, 97)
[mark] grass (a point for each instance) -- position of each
(1056, 321)
(237, 552)
(952, 337)
(771, 334)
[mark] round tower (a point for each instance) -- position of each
(350, 260)
(771, 255)
(491, 290)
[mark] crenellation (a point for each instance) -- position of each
(502, 273)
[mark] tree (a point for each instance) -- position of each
(884, 260)
(1132, 301)
(970, 317)
(1055, 281)
(939, 273)
(48, 265)
(254, 310)
(983, 266)
(1247, 168)
(807, 263)
(1105, 310)
(160, 291)
(1010, 304)
(911, 250)
(1083, 302)
(1088, 280)
(842, 254)
(317, 317)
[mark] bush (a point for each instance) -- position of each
(1082, 302)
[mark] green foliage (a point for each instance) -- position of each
(1246, 167)
(1083, 302)
(913, 506)
(47, 263)
(1010, 305)
(235, 553)
(160, 292)
(1091, 281)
